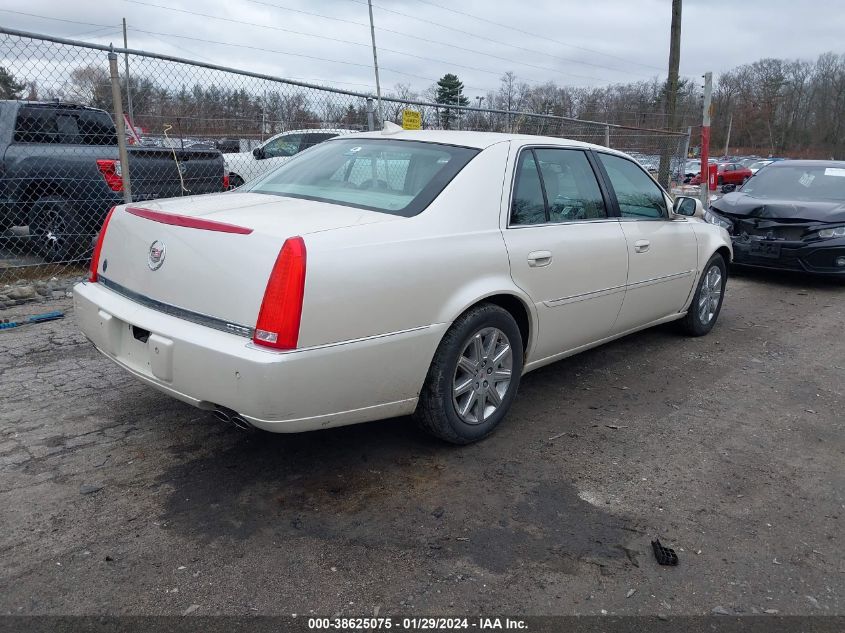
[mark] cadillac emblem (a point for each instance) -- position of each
(156, 258)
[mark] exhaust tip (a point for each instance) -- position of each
(232, 417)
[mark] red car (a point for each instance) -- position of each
(728, 174)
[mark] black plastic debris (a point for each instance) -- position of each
(664, 555)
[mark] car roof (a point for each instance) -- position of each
(53, 103)
(315, 130)
(479, 140)
(807, 163)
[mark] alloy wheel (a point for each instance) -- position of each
(482, 376)
(711, 295)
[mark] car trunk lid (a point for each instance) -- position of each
(211, 256)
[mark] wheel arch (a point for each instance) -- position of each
(34, 191)
(514, 302)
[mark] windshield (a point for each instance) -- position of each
(391, 176)
(759, 164)
(815, 183)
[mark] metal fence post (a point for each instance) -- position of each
(682, 169)
(371, 124)
(121, 127)
(607, 136)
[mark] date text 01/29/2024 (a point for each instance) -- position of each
(416, 624)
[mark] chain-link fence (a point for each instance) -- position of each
(189, 128)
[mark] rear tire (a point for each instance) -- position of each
(235, 181)
(479, 355)
(55, 230)
(707, 301)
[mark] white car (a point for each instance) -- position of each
(385, 274)
(244, 166)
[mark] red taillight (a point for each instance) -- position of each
(281, 309)
(110, 169)
(95, 258)
(226, 181)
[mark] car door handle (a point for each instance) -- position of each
(641, 246)
(536, 259)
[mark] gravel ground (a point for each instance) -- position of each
(118, 500)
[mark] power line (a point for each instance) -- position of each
(44, 17)
(497, 73)
(499, 42)
(108, 31)
(192, 52)
(263, 49)
(270, 50)
(513, 28)
(427, 40)
(253, 24)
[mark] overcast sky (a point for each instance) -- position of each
(573, 42)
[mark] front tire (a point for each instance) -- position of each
(707, 301)
(474, 376)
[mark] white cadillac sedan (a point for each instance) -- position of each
(384, 274)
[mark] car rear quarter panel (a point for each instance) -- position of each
(383, 278)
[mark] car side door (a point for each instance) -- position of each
(662, 251)
(278, 151)
(567, 252)
(283, 146)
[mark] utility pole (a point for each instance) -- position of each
(728, 138)
(705, 138)
(126, 72)
(375, 60)
(674, 62)
(672, 83)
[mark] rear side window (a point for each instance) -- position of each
(638, 195)
(391, 176)
(555, 185)
(571, 187)
(528, 205)
(66, 126)
(313, 139)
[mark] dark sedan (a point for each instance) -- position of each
(790, 216)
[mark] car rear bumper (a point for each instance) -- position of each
(790, 255)
(300, 390)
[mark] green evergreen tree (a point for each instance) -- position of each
(9, 87)
(450, 91)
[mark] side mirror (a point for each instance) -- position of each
(258, 152)
(688, 207)
(728, 188)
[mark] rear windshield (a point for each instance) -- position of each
(63, 125)
(796, 182)
(390, 176)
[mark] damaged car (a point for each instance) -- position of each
(790, 216)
